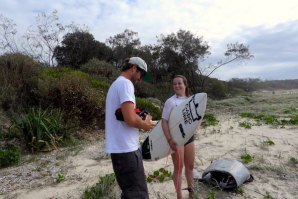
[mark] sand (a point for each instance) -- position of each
(275, 176)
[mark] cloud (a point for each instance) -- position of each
(274, 49)
(268, 27)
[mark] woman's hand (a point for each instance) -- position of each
(173, 145)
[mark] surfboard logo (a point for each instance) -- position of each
(182, 130)
(190, 113)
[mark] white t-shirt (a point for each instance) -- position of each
(170, 104)
(120, 138)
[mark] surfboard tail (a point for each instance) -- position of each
(146, 149)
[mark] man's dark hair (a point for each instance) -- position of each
(126, 65)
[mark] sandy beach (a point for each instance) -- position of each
(275, 176)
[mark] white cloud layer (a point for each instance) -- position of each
(269, 27)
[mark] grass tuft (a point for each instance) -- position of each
(102, 188)
(209, 120)
(247, 158)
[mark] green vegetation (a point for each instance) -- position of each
(209, 120)
(151, 108)
(60, 178)
(268, 142)
(42, 129)
(102, 70)
(272, 119)
(246, 158)
(9, 155)
(290, 110)
(80, 96)
(293, 161)
(246, 125)
(46, 105)
(17, 82)
(211, 195)
(103, 188)
(159, 175)
(240, 190)
(293, 120)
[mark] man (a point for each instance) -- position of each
(122, 137)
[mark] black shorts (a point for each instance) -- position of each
(130, 175)
(190, 140)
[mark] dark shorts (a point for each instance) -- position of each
(190, 140)
(130, 175)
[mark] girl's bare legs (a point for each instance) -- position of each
(178, 158)
(189, 160)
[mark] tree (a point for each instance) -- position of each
(184, 49)
(8, 32)
(78, 48)
(39, 41)
(235, 52)
(42, 41)
(181, 53)
(124, 45)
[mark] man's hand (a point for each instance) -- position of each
(149, 123)
(134, 120)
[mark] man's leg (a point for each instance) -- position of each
(129, 171)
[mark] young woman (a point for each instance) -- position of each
(183, 156)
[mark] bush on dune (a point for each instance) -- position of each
(79, 96)
(17, 79)
(101, 70)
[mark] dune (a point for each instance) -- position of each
(274, 164)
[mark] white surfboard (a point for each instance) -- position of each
(183, 121)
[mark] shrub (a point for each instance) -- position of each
(9, 155)
(151, 108)
(217, 89)
(145, 90)
(77, 94)
(42, 129)
(101, 69)
(17, 79)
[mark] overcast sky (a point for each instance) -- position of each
(269, 27)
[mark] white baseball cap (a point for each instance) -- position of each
(138, 61)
